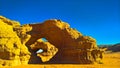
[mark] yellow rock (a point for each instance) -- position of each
(12, 50)
(64, 45)
(72, 46)
(49, 50)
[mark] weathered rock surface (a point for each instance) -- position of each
(72, 46)
(64, 45)
(48, 50)
(12, 50)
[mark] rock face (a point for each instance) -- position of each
(23, 44)
(72, 46)
(12, 50)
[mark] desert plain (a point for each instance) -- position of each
(111, 60)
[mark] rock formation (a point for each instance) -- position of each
(48, 50)
(12, 50)
(64, 45)
(72, 46)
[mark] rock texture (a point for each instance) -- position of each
(72, 46)
(64, 45)
(48, 50)
(12, 50)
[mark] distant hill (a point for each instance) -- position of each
(113, 48)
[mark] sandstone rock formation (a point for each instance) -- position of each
(64, 45)
(12, 50)
(48, 50)
(72, 46)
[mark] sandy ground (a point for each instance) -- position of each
(111, 60)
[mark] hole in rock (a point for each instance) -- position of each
(44, 39)
(39, 51)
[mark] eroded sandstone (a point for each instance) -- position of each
(64, 45)
(49, 50)
(12, 50)
(72, 46)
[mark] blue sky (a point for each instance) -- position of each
(97, 18)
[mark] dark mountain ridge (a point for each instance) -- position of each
(113, 48)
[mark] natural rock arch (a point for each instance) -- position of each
(64, 45)
(72, 46)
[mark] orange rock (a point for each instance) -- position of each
(70, 42)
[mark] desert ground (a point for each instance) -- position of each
(111, 60)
